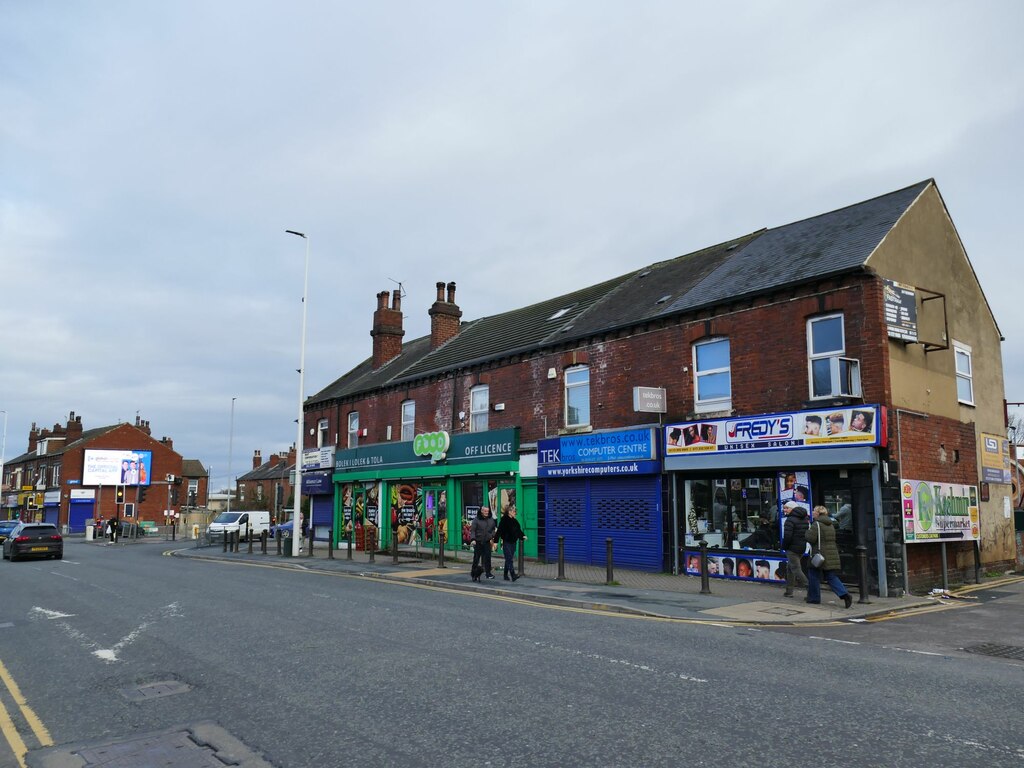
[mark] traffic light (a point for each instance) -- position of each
(174, 495)
(119, 494)
(142, 493)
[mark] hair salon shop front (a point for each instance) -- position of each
(427, 490)
(730, 481)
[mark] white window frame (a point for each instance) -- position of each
(570, 388)
(353, 429)
(961, 353)
(479, 407)
(711, 403)
(55, 476)
(844, 372)
(408, 420)
(322, 427)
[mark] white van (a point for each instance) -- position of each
(227, 523)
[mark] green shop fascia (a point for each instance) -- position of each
(429, 489)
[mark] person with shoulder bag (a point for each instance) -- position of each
(821, 535)
(510, 533)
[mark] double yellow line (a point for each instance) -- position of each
(7, 727)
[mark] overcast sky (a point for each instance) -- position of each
(152, 154)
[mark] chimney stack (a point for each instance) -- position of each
(257, 460)
(73, 428)
(387, 330)
(444, 317)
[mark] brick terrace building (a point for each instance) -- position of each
(49, 481)
(848, 360)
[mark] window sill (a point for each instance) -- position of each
(576, 430)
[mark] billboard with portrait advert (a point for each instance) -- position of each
(117, 467)
(827, 428)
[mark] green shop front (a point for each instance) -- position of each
(424, 492)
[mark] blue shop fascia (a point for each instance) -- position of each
(603, 485)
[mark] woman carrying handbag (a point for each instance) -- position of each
(822, 538)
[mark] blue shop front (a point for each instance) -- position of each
(317, 467)
(600, 486)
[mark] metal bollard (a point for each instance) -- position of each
(371, 545)
(225, 535)
(522, 560)
(705, 580)
(248, 535)
(610, 575)
(348, 538)
(174, 528)
(236, 536)
(561, 558)
(312, 538)
(394, 547)
(263, 542)
(278, 537)
(330, 543)
(440, 550)
(862, 572)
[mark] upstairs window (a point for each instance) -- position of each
(321, 433)
(577, 396)
(55, 475)
(712, 377)
(831, 374)
(479, 404)
(353, 429)
(408, 420)
(964, 373)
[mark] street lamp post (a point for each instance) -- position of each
(297, 511)
(231, 445)
(3, 455)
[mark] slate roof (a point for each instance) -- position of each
(266, 471)
(192, 468)
(829, 244)
(87, 435)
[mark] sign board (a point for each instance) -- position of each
(621, 452)
(900, 311)
(830, 428)
(649, 400)
(935, 512)
(117, 467)
(995, 459)
(318, 458)
(462, 449)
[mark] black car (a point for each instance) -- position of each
(34, 540)
(6, 526)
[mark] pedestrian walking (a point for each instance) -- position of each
(822, 537)
(481, 534)
(115, 529)
(510, 533)
(794, 542)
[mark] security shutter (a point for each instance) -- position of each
(628, 512)
(78, 513)
(565, 513)
(323, 514)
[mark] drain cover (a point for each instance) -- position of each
(1015, 652)
(155, 690)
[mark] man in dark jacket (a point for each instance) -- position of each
(794, 542)
(481, 533)
(510, 533)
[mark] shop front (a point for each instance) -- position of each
(600, 486)
(424, 493)
(317, 468)
(732, 481)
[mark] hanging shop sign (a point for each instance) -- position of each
(900, 311)
(650, 400)
(317, 483)
(470, 448)
(623, 452)
(939, 512)
(995, 459)
(834, 427)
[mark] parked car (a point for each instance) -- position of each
(6, 526)
(34, 540)
(284, 528)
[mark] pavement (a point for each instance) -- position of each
(654, 595)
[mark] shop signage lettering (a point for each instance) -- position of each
(621, 446)
(432, 444)
(488, 449)
(935, 512)
(834, 427)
